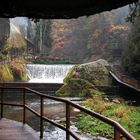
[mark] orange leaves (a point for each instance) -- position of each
(119, 27)
(121, 112)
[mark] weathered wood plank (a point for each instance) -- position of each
(12, 130)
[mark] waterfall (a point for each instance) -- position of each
(47, 73)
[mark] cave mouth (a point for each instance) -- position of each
(60, 9)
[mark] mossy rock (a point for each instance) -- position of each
(77, 89)
(14, 71)
(19, 71)
(95, 74)
(82, 79)
(5, 73)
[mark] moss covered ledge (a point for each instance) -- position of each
(13, 71)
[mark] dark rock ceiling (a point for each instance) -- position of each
(55, 9)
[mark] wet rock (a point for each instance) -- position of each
(106, 99)
(116, 101)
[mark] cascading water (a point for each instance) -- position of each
(47, 73)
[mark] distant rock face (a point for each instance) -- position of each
(4, 31)
(82, 79)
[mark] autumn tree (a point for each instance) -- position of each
(87, 37)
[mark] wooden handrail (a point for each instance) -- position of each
(118, 129)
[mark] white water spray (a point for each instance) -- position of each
(47, 73)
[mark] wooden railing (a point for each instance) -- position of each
(119, 131)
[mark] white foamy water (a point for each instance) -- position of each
(47, 73)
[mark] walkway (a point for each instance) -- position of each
(121, 77)
(12, 130)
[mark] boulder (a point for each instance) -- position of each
(82, 79)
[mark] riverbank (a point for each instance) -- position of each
(116, 109)
(58, 134)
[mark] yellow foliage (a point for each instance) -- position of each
(5, 73)
(100, 108)
(89, 102)
(8, 72)
(121, 112)
(18, 65)
(98, 104)
(119, 27)
(16, 41)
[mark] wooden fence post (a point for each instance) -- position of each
(2, 90)
(116, 134)
(24, 105)
(41, 118)
(67, 120)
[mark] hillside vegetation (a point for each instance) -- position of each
(13, 71)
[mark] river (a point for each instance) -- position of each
(53, 110)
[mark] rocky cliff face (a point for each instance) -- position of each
(4, 31)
